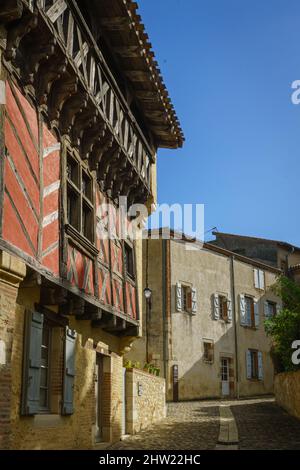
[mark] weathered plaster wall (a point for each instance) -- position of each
(209, 273)
(145, 400)
(249, 338)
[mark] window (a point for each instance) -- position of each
(208, 355)
(254, 364)
(80, 206)
(259, 279)
(223, 305)
(249, 311)
(270, 309)
(249, 307)
(49, 365)
(45, 367)
(129, 260)
(186, 298)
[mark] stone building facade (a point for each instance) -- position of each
(83, 110)
(205, 328)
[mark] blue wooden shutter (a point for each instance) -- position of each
(32, 364)
(260, 365)
(243, 314)
(248, 364)
(69, 372)
(256, 312)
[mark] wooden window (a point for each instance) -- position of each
(208, 355)
(186, 298)
(45, 368)
(254, 364)
(259, 279)
(270, 309)
(49, 365)
(249, 307)
(129, 260)
(223, 306)
(80, 200)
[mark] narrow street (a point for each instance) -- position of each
(261, 424)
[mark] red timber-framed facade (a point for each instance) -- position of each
(83, 109)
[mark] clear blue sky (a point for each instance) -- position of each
(229, 65)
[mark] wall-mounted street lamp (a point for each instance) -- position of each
(148, 295)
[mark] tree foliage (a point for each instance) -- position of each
(284, 328)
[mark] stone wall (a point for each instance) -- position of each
(287, 392)
(145, 400)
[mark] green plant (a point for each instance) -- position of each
(284, 328)
(128, 364)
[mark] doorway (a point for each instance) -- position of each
(225, 377)
(99, 398)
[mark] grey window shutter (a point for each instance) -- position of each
(216, 307)
(32, 364)
(243, 314)
(260, 365)
(69, 372)
(178, 297)
(256, 278)
(256, 313)
(248, 364)
(229, 310)
(261, 279)
(194, 300)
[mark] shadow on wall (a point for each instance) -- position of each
(202, 378)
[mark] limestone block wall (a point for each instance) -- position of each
(145, 400)
(287, 392)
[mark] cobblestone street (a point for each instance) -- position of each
(195, 426)
(263, 425)
(190, 425)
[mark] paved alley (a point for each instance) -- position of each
(195, 425)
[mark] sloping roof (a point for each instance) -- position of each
(179, 236)
(247, 237)
(128, 39)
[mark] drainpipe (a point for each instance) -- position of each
(164, 307)
(234, 317)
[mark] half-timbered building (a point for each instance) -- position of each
(83, 109)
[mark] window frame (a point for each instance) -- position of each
(46, 409)
(130, 249)
(74, 182)
(252, 312)
(186, 295)
(210, 345)
(223, 300)
(274, 305)
(254, 355)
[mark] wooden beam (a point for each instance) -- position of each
(10, 10)
(128, 51)
(138, 75)
(115, 23)
(53, 296)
